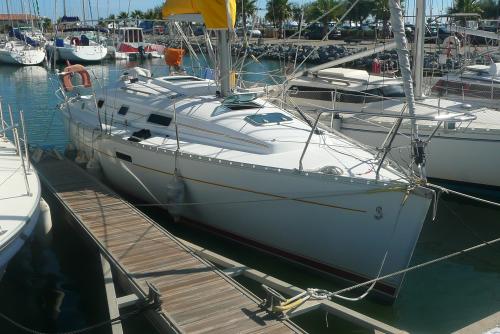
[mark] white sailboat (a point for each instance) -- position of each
(247, 169)
(462, 150)
(20, 195)
(78, 43)
(18, 53)
(24, 46)
(74, 50)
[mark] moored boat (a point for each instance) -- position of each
(20, 196)
(248, 169)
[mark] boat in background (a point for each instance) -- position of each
(25, 46)
(131, 45)
(462, 150)
(351, 89)
(77, 42)
(477, 83)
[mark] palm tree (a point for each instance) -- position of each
(466, 6)
(278, 11)
(137, 15)
(153, 14)
(381, 12)
(245, 8)
(123, 16)
(319, 7)
(297, 14)
(490, 8)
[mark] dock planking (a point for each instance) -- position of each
(196, 296)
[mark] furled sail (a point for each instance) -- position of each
(217, 14)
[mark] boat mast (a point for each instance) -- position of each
(224, 62)
(224, 46)
(64, 7)
(404, 63)
(83, 8)
(419, 47)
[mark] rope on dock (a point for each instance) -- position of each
(313, 293)
(318, 294)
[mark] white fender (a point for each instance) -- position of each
(495, 69)
(43, 232)
(451, 45)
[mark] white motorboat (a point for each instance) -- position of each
(131, 45)
(351, 89)
(249, 170)
(20, 196)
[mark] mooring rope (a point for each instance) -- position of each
(149, 304)
(318, 294)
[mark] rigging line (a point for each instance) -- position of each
(283, 198)
(448, 190)
(354, 3)
(471, 230)
(307, 26)
(415, 267)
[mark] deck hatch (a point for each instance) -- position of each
(123, 156)
(123, 110)
(159, 119)
(267, 119)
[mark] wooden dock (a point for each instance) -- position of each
(196, 296)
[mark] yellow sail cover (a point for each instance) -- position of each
(217, 14)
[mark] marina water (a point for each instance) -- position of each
(60, 288)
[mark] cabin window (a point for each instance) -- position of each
(123, 110)
(100, 103)
(123, 156)
(393, 91)
(159, 119)
(267, 119)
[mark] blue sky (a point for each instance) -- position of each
(106, 7)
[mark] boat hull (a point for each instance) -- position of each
(8, 251)
(456, 155)
(452, 155)
(22, 58)
(345, 231)
(82, 54)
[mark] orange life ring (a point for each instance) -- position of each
(70, 71)
(75, 41)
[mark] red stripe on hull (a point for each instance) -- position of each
(383, 288)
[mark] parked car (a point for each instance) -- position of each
(250, 32)
(315, 31)
(199, 31)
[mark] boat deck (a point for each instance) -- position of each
(196, 296)
(17, 207)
